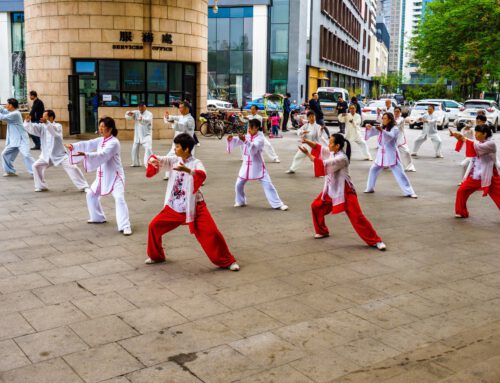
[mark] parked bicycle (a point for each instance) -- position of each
(211, 125)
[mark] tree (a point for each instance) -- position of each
(388, 83)
(459, 40)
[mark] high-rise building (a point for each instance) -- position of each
(393, 14)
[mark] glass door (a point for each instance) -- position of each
(88, 102)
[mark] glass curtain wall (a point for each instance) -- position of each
(18, 56)
(279, 16)
(230, 54)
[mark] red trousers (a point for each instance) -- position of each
(321, 207)
(205, 230)
(471, 185)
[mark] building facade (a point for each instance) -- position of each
(393, 14)
(87, 59)
(13, 63)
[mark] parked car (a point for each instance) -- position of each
(218, 105)
(468, 113)
(420, 109)
(452, 107)
(271, 105)
(369, 112)
(328, 97)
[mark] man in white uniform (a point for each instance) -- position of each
(53, 152)
(352, 121)
(143, 130)
(429, 129)
(268, 148)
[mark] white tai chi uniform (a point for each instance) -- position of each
(268, 148)
(315, 134)
(103, 154)
(253, 168)
(387, 157)
(143, 135)
(429, 129)
(353, 132)
(53, 153)
(17, 141)
(181, 124)
(404, 150)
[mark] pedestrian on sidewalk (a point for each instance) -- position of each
(53, 152)
(143, 133)
(315, 106)
(338, 193)
(341, 112)
(36, 113)
(17, 139)
(185, 205)
(286, 112)
(103, 156)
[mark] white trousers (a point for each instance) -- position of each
(75, 174)
(95, 208)
(436, 140)
(135, 153)
(364, 147)
(397, 171)
(171, 152)
(297, 160)
(268, 150)
(406, 160)
(465, 164)
(271, 194)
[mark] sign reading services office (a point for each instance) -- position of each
(147, 37)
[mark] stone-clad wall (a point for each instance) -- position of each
(59, 31)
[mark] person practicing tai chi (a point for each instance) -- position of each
(253, 166)
(17, 139)
(387, 155)
(53, 152)
(429, 129)
(181, 124)
(185, 205)
(268, 147)
(352, 121)
(338, 193)
(103, 155)
(310, 131)
(143, 133)
(483, 171)
(404, 150)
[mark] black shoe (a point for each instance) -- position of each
(284, 130)
(35, 148)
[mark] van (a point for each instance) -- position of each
(328, 97)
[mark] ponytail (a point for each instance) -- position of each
(110, 124)
(348, 150)
(342, 141)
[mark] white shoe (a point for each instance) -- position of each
(10, 175)
(411, 170)
(283, 208)
(369, 191)
(234, 267)
(149, 261)
(459, 216)
(238, 205)
(319, 236)
(165, 178)
(439, 156)
(368, 159)
(290, 172)
(277, 161)
(381, 246)
(41, 190)
(84, 190)
(127, 231)
(412, 196)
(198, 144)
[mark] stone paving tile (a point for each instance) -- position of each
(22, 282)
(166, 372)
(288, 310)
(107, 266)
(149, 319)
(101, 305)
(23, 300)
(148, 295)
(66, 274)
(71, 259)
(366, 351)
(53, 316)
(99, 331)
(105, 283)
(326, 300)
(50, 371)
(382, 315)
(11, 356)
(197, 307)
(349, 325)
(50, 344)
(13, 325)
(247, 321)
(61, 293)
(103, 362)
(283, 374)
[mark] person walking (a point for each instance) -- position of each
(352, 120)
(36, 114)
(143, 133)
(341, 112)
(315, 106)
(286, 112)
(354, 101)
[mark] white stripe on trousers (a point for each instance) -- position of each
(397, 171)
(269, 190)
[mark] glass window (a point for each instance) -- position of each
(236, 12)
(279, 38)
(212, 61)
(247, 62)
(236, 34)
(190, 70)
(222, 62)
(175, 77)
(248, 34)
(109, 75)
(115, 99)
(85, 66)
(236, 62)
(17, 31)
(279, 66)
(132, 99)
(279, 11)
(133, 76)
(222, 34)
(157, 76)
(212, 34)
(175, 98)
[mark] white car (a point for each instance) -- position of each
(452, 107)
(369, 112)
(469, 111)
(218, 105)
(420, 109)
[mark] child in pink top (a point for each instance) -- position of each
(275, 124)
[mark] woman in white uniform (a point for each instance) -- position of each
(103, 155)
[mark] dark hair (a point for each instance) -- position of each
(254, 123)
(340, 96)
(141, 104)
(186, 104)
(51, 113)
(314, 94)
(33, 93)
(254, 106)
(485, 129)
(339, 138)
(482, 118)
(311, 113)
(392, 121)
(185, 141)
(398, 108)
(481, 112)
(354, 99)
(432, 106)
(110, 124)
(288, 94)
(13, 102)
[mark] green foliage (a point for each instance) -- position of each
(388, 83)
(459, 40)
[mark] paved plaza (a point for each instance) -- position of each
(78, 304)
